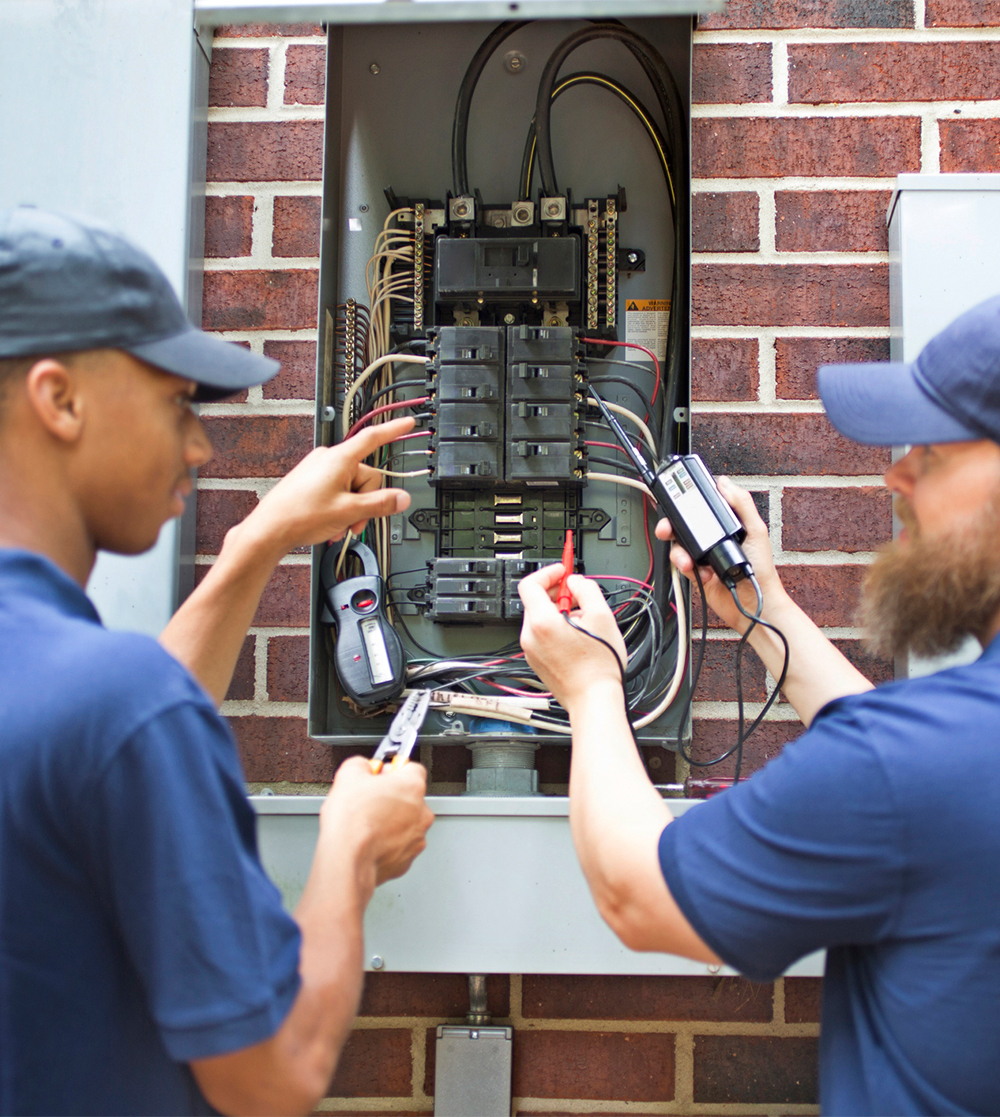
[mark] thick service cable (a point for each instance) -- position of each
(586, 77)
(460, 126)
(669, 99)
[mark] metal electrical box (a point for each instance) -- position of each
(506, 280)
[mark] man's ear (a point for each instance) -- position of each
(53, 390)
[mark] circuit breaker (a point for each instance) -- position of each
(505, 228)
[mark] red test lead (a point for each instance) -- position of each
(564, 598)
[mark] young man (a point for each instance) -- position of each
(877, 833)
(146, 965)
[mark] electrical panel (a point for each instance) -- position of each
(462, 284)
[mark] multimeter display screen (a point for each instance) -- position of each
(378, 653)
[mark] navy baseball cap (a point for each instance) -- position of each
(950, 393)
(70, 283)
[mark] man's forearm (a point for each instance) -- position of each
(207, 632)
(617, 816)
(817, 672)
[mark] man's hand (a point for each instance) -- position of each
(329, 491)
(567, 661)
(757, 546)
(385, 813)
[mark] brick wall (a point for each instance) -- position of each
(805, 112)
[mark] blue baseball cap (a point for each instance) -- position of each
(70, 283)
(950, 393)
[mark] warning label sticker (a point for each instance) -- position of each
(646, 322)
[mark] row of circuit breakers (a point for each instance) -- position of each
(507, 388)
(508, 461)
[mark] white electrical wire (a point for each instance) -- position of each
(389, 358)
(631, 482)
(631, 415)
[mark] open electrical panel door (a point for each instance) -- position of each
(505, 226)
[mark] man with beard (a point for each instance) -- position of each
(849, 839)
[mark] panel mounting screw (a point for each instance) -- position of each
(378, 962)
(514, 61)
(509, 319)
(374, 68)
(633, 257)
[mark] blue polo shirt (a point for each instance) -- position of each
(876, 835)
(138, 930)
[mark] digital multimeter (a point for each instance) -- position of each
(368, 655)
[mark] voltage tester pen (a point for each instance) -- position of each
(686, 493)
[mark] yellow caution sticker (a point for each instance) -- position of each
(646, 323)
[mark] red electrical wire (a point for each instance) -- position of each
(382, 410)
(631, 345)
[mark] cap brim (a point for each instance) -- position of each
(881, 404)
(219, 367)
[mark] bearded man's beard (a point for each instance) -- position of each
(927, 596)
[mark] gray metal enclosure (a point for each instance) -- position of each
(391, 93)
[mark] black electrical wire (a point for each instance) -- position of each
(643, 398)
(625, 95)
(460, 127)
(596, 459)
(395, 386)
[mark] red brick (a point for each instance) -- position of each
(836, 519)
(724, 368)
(375, 1063)
(296, 226)
(834, 73)
(238, 78)
(256, 445)
(789, 294)
(285, 600)
(873, 667)
(279, 749)
(762, 444)
(961, 13)
(717, 680)
(265, 30)
(711, 737)
(260, 300)
(242, 685)
(831, 221)
(265, 151)
(228, 226)
(288, 668)
(802, 999)
(970, 145)
(730, 73)
(860, 147)
(761, 14)
(797, 358)
(828, 594)
(725, 222)
(755, 1069)
(427, 994)
(297, 378)
(645, 998)
(305, 75)
(600, 1065)
(218, 510)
